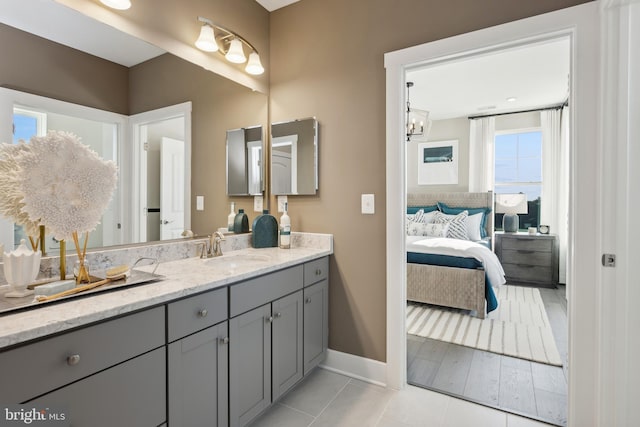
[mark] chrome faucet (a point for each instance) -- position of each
(215, 248)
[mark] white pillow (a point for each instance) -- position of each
(474, 222)
(419, 217)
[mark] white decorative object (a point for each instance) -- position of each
(20, 269)
(64, 183)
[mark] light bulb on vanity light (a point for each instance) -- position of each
(254, 66)
(117, 4)
(207, 40)
(235, 53)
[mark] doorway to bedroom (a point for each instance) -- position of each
(505, 128)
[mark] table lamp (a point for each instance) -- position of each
(511, 205)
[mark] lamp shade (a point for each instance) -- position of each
(511, 203)
(117, 4)
(207, 41)
(254, 66)
(235, 53)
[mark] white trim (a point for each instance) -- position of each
(136, 213)
(361, 368)
(619, 393)
(580, 23)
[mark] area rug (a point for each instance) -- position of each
(519, 327)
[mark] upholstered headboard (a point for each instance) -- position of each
(456, 200)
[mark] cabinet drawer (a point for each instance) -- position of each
(315, 271)
(130, 394)
(527, 273)
(59, 360)
(526, 257)
(261, 290)
(529, 244)
(196, 313)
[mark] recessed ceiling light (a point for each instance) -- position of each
(512, 99)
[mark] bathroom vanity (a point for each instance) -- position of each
(214, 343)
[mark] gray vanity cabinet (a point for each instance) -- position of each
(286, 336)
(198, 372)
(197, 360)
(129, 394)
(249, 365)
(265, 349)
(316, 312)
(316, 324)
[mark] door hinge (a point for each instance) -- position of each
(609, 260)
(146, 146)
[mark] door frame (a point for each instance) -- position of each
(136, 169)
(581, 24)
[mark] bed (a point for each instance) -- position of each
(453, 275)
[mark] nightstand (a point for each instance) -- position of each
(528, 258)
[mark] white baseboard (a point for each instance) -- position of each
(361, 368)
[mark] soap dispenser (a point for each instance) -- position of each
(285, 229)
(241, 222)
(265, 231)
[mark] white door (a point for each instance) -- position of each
(171, 188)
(281, 172)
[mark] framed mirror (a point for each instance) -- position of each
(245, 172)
(126, 92)
(294, 157)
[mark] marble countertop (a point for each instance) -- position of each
(182, 278)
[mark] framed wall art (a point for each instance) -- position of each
(438, 163)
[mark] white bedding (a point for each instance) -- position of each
(460, 248)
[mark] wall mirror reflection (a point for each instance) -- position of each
(140, 102)
(294, 157)
(245, 161)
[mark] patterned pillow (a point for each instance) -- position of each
(457, 225)
(420, 217)
(431, 229)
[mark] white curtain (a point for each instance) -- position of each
(554, 205)
(481, 154)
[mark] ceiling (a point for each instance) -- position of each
(272, 5)
(536, 75)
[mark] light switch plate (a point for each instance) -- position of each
(368, 204)
(281, 201)
(199, 203)
(257, 204)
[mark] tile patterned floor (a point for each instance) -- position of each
(329, 399)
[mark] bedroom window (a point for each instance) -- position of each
(518, 169)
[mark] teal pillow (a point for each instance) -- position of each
(414, 209)
(472, 211)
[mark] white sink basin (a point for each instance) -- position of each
(234, 261)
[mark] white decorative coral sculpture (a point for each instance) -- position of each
(65, 185)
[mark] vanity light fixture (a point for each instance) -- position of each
(418, 123)
(214, 37)
(117, 4)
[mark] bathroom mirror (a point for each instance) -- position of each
(159, 82)
(294, 157)
(245, 174)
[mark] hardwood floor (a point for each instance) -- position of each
(515, 385)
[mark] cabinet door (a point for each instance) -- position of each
(286, 335)
(198, 378)
(129, 394)
(316, 324)
(249, 365)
